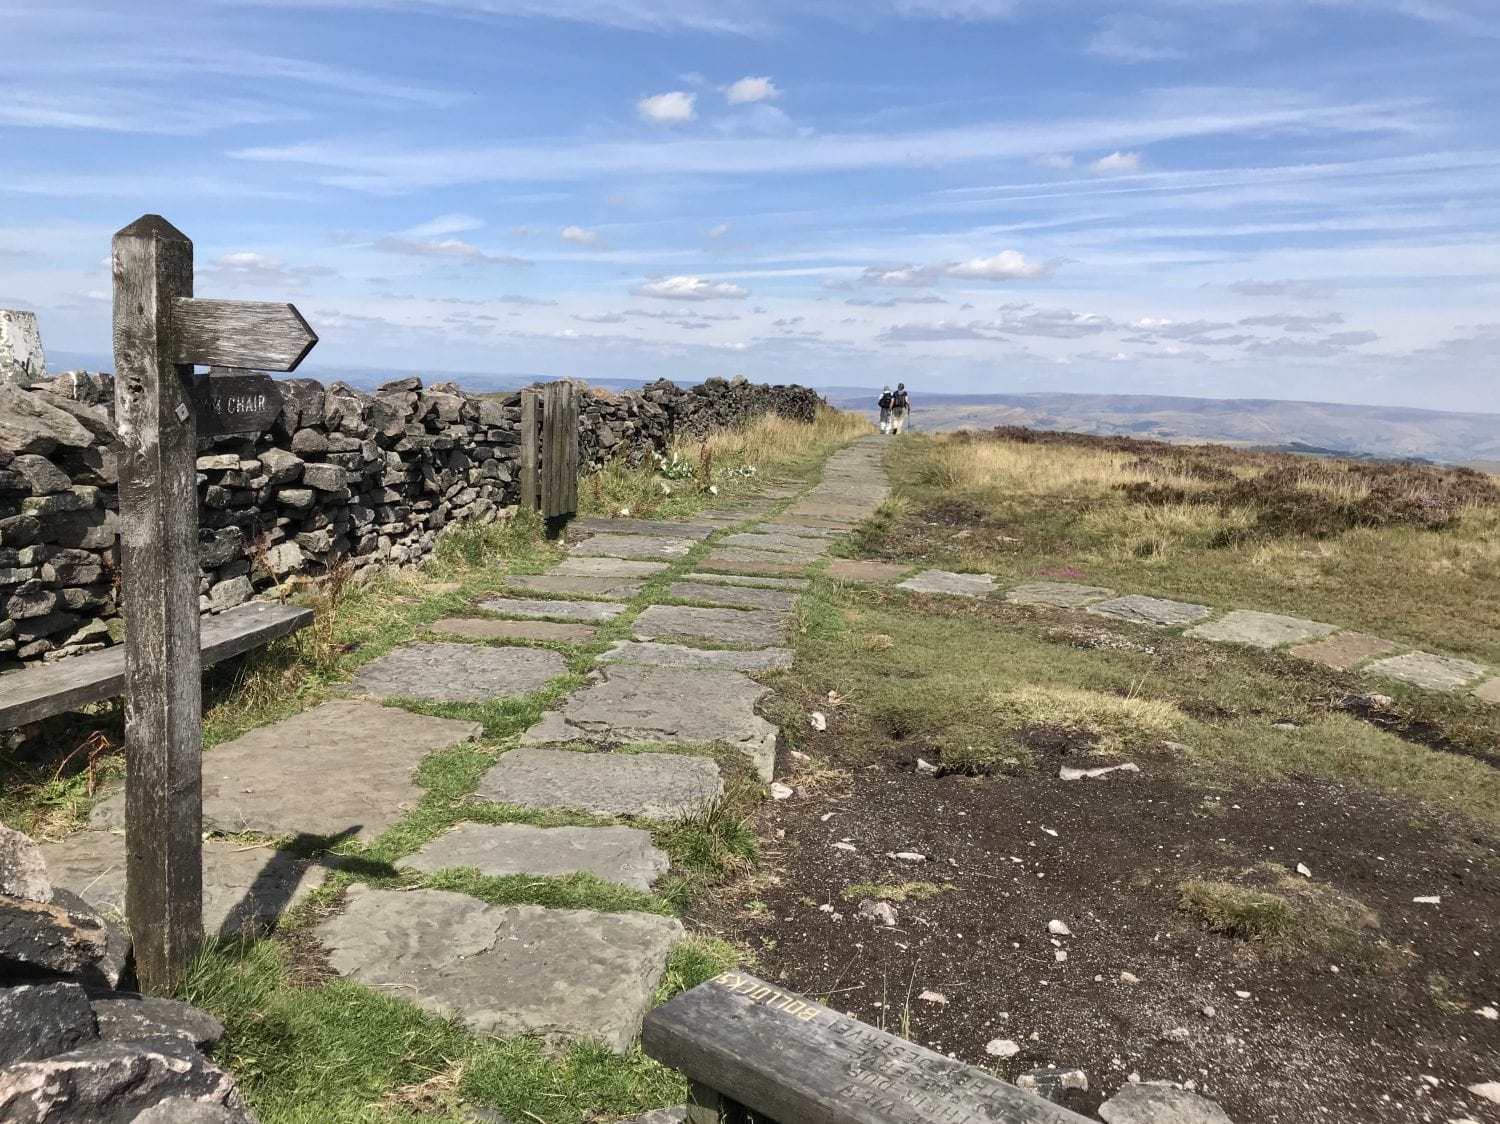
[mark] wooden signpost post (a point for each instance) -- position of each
(160, 333)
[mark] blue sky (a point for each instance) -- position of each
(1256, 198)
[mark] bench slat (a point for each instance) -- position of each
(798, 1062)
(38, 692)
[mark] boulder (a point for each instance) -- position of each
(43, 938)
(23, 874)
(40, 1020)
(1160, 1104)
(42, 475)
(124, 1016)
(120, 1081)
(33, 423)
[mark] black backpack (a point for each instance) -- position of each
(885, 401)
(898, 401)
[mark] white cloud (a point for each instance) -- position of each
(689, 289)
(1056, 323)
(578, 235)
(1131, 37)
(940, 331)
(1054, 161)
(670, 108)
(1293, 321)
(1007, 265)
(453, 249)
(750, 89)
(262, 271)
(718, 231)
(444, 224)
(1116, 163)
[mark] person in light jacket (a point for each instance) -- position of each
(885, 409)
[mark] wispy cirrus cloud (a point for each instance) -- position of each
(689, 289)
(444, 249)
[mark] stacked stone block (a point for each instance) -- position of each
(344, 478)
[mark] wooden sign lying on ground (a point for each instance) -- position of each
(227, 400)
(756, 1053)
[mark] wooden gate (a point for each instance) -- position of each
(549, 449)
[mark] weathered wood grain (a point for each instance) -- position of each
(531, 458)
(788, 1059)
(266, 335)
(232, 400)
(38, 692)
(153, 277)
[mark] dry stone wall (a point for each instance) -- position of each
(343, 478)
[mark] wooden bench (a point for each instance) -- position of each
(40, 691)
(755, 1054)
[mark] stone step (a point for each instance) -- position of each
(1058, 595)
(1261, 630)
(678, 655)
(578, 585)
(244, 888)
(634, 703)
(872, 573)
(657, 786)
(734, 596)
(1154, 611)
(609, 568)
(458, 672)
(754, 562)
(344, 768)
(665, 528)
(563, 975)
(541, 609)
(623, 855)
(483, 628)
(657, 547)
(752, 580)
(792, 546)
(744, 628)
(951, 584)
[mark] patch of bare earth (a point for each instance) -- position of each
(1359, 1034)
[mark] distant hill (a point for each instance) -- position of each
(1309, 427)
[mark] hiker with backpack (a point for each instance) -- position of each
(885, 409)
(900, 407)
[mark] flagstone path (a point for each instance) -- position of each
(1317, 641)
(627, 743)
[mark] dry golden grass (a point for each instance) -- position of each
(1115, 722)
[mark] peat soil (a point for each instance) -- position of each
(1387, 1028)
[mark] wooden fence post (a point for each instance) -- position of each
(153, 268)
(531, 449)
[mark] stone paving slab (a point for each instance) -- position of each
(754, 563)
(244, 888)
(578, 585)
(870, 572)
(483, 628)
(561, 974)
(458, 672)
(799, 530)
(1154, 611)
(344, 768)
(746, 628)
(623, 855)
(776, 544)
(658, 786)
(750, 580)
(678, 655)
(649, 703)
(836, 512)
(1058, 595)
(1261, 630)
(609, 568)
(537, 608)
(665, 528)
(1343, 650)
(1423, 669)
(1489, 690)
(743, 597)
(955, 585)
(661, 547)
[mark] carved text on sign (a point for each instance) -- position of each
(235, 402)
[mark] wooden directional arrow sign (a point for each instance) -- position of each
(266, 335)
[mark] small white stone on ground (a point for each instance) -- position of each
(1130, 978)
(926, 767)
(780, 791)
(1069, 773)
(817, 720)
(1488, 1013)
(1243, 994)
(844, 846)
(906, 856)
(933, 997)
(1303, 870)
(1428, 899)
(1059, 928)
(882, 913)
(1059, 955)
(1489, 1090)
(1001, 1048)
(1050, 832)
